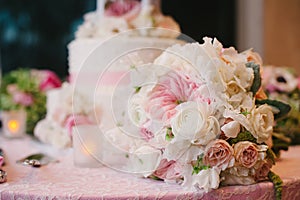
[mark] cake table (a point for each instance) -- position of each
(62, 180)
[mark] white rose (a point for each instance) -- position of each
(144, 160)
(195, 122)
(137, 113)
(262, 120)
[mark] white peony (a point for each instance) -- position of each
(182, 151)
(206, 179)
(195, 122)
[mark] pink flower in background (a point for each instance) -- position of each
(18, 96)
(128, 9)
(23, 98)
(49, 80)
(170, 91)
(168, 170)
(73, 120)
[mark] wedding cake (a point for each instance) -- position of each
(111, 40)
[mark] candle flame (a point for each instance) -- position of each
(13, 126)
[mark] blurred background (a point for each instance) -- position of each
(35, 33)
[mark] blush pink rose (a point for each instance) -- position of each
(128, 9)
(246, 153)
(73, 120)
(219, 153)
(49, 80)
(168, 170)
(171, 90)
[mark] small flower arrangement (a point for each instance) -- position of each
(202, 109)
(26, 89)
(283, 84)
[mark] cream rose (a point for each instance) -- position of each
(237, 175)
(246, 153)
(194, 122)
(219, 153)
(262, 120)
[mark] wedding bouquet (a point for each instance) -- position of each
(283, 84)
(24, 89)
(202, 110)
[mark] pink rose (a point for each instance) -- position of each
(171, 90)
(49, 80)
(73, 120)
(246, 153)
(262, 170)
(22, 98)
(168, 170)
(128, 9)
(218, 153)
(1, 161)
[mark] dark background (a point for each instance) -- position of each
(35, 33)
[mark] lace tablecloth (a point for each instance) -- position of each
(64, 181)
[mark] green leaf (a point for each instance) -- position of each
(137, 89)
(169, 134)
(271, 155)
(283, 108)
(257, 79)
(242, 136)
(276, 180)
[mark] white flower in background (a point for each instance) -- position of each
(52, 133)
(144, 19)
(262, 120)
(162, 26)
(94, 27)
(195, 122)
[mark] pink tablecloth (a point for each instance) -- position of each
(64, 181)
